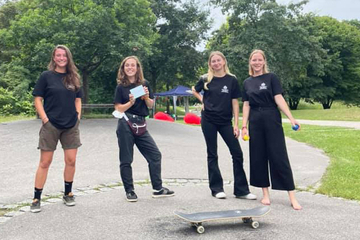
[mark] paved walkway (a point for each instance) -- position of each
(103, 213)
(347, 124)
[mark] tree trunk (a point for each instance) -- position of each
(293, 103)
(85, 86)
(85, 90)
(327, 104)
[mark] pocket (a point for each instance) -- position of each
(48, 125)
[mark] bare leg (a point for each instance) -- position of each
(266, 196)
(70, 159)
(294, 203)
(42, 171)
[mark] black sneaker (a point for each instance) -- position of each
(131, 196)
(164, 192)
(35, 206)
(69, 199)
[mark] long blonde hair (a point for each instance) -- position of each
(72, 78)
(122, 78)
(210, 73)
(265, 67)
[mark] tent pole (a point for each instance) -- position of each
(154, 107)
(186, 104)
(174, 100)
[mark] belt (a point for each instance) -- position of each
(263, 108)
(130, 115)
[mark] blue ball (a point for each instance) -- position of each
(295, 128)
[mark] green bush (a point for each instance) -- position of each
(10, 106)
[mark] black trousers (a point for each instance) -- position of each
(268, 150)
(210, 131)
(146, 146)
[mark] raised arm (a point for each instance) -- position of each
(196, 94)
(148, 101)
(124, 107)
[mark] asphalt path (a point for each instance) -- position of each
(103, 213)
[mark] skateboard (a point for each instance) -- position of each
(247, 215)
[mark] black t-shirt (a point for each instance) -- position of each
(59, 102)
(260, 90)
(122, 97)
(218, 99)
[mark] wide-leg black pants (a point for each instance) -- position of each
(210, 131)
(268, 150)
(147, 147)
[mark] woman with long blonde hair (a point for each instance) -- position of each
(262, 96)
(220, 106)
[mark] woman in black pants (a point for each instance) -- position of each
(130, 75)
(220, 104)
(262, 97)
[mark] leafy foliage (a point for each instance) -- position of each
(181, 27)
(97, 32)
(314, 58)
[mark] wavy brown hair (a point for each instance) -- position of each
(210, 73)
(122, 78)
(72, 78)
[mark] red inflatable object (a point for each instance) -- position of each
(191, 118)
(163, 116)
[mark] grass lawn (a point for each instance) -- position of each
(338, 112)
(342, 178)
(15, 118)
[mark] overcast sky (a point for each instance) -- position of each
(339, 9)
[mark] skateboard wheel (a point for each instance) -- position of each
(200, 229)
(246, 220)
(255, 224)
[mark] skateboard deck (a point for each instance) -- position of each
(196, 219)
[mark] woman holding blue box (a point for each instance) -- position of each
(131, 129)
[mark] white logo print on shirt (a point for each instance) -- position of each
(263, 86)
(225, 89)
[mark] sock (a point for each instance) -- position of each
(68, 186)
(37, 193)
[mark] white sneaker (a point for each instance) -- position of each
(249, 196)
(220, 195)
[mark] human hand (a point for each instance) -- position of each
(146, 96)
(44, 120)
(295, 125)
(131, 99)
(244, 134)
(236, 131)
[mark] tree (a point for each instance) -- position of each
(282, 32)
(181, 27)
(341, 80)
(96, 31)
